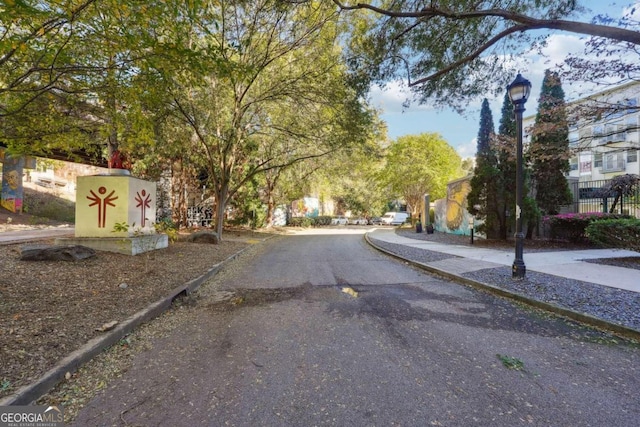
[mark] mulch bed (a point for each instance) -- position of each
(50, 308)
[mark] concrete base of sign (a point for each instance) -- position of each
(122, 245)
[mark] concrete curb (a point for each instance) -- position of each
(28, 394)
(586, 319)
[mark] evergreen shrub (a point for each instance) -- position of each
(623, 233)
(300, 221)
(322, 220)
(572, 226)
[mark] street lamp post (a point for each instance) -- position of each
(519, 91)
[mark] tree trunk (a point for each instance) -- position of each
(178, 194)
(111, 110)
(530, 228)
(615, 202)
(219, 208)
(271, 185)
(270, 208)
(502, 222)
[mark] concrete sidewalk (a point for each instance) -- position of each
(567, 264)
(26, 234)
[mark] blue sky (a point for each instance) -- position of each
(460, 131)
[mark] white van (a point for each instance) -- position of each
(394, 218)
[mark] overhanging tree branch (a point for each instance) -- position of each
(614, 33)
(475, 54)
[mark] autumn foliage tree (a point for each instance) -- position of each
(549, 149)
(620, 187)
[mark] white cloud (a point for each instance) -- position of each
(559, 46)
(469, 149)
(392, 98)
(632, 12)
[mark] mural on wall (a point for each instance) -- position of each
(12, 192)
(451, 214)
(307, 206)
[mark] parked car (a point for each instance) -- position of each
(394, 218)
(358, 221)
(376, 220)
(339, 220)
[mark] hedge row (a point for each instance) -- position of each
(615, 233)
(309, 222)
(572, 227)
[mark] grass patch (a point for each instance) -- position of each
(45, 207)
(511, 362)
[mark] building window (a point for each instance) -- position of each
(614, 133)
(619, 111)
(632, 156)
(584, 136)
(613, 162)
(585, 166)
(574, 138)
(573, 164)
(597, 160)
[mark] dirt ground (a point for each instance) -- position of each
(50, 308)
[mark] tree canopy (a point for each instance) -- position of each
(284, 100)
(420, 164)
(452, 50)
(225, 90)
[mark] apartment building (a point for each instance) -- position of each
(604, 138)
(604, 133)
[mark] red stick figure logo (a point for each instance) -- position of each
(102, 204)
(143, 204)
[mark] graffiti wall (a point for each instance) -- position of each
(307, 206)
(12, 191)
(12, 169)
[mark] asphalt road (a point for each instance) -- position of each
(323, 330)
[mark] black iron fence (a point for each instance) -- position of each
(589, 196)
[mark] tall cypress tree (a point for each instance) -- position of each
(507, 120)
(486, 129)
(549, 149)
(484, 187)
(505, 154)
